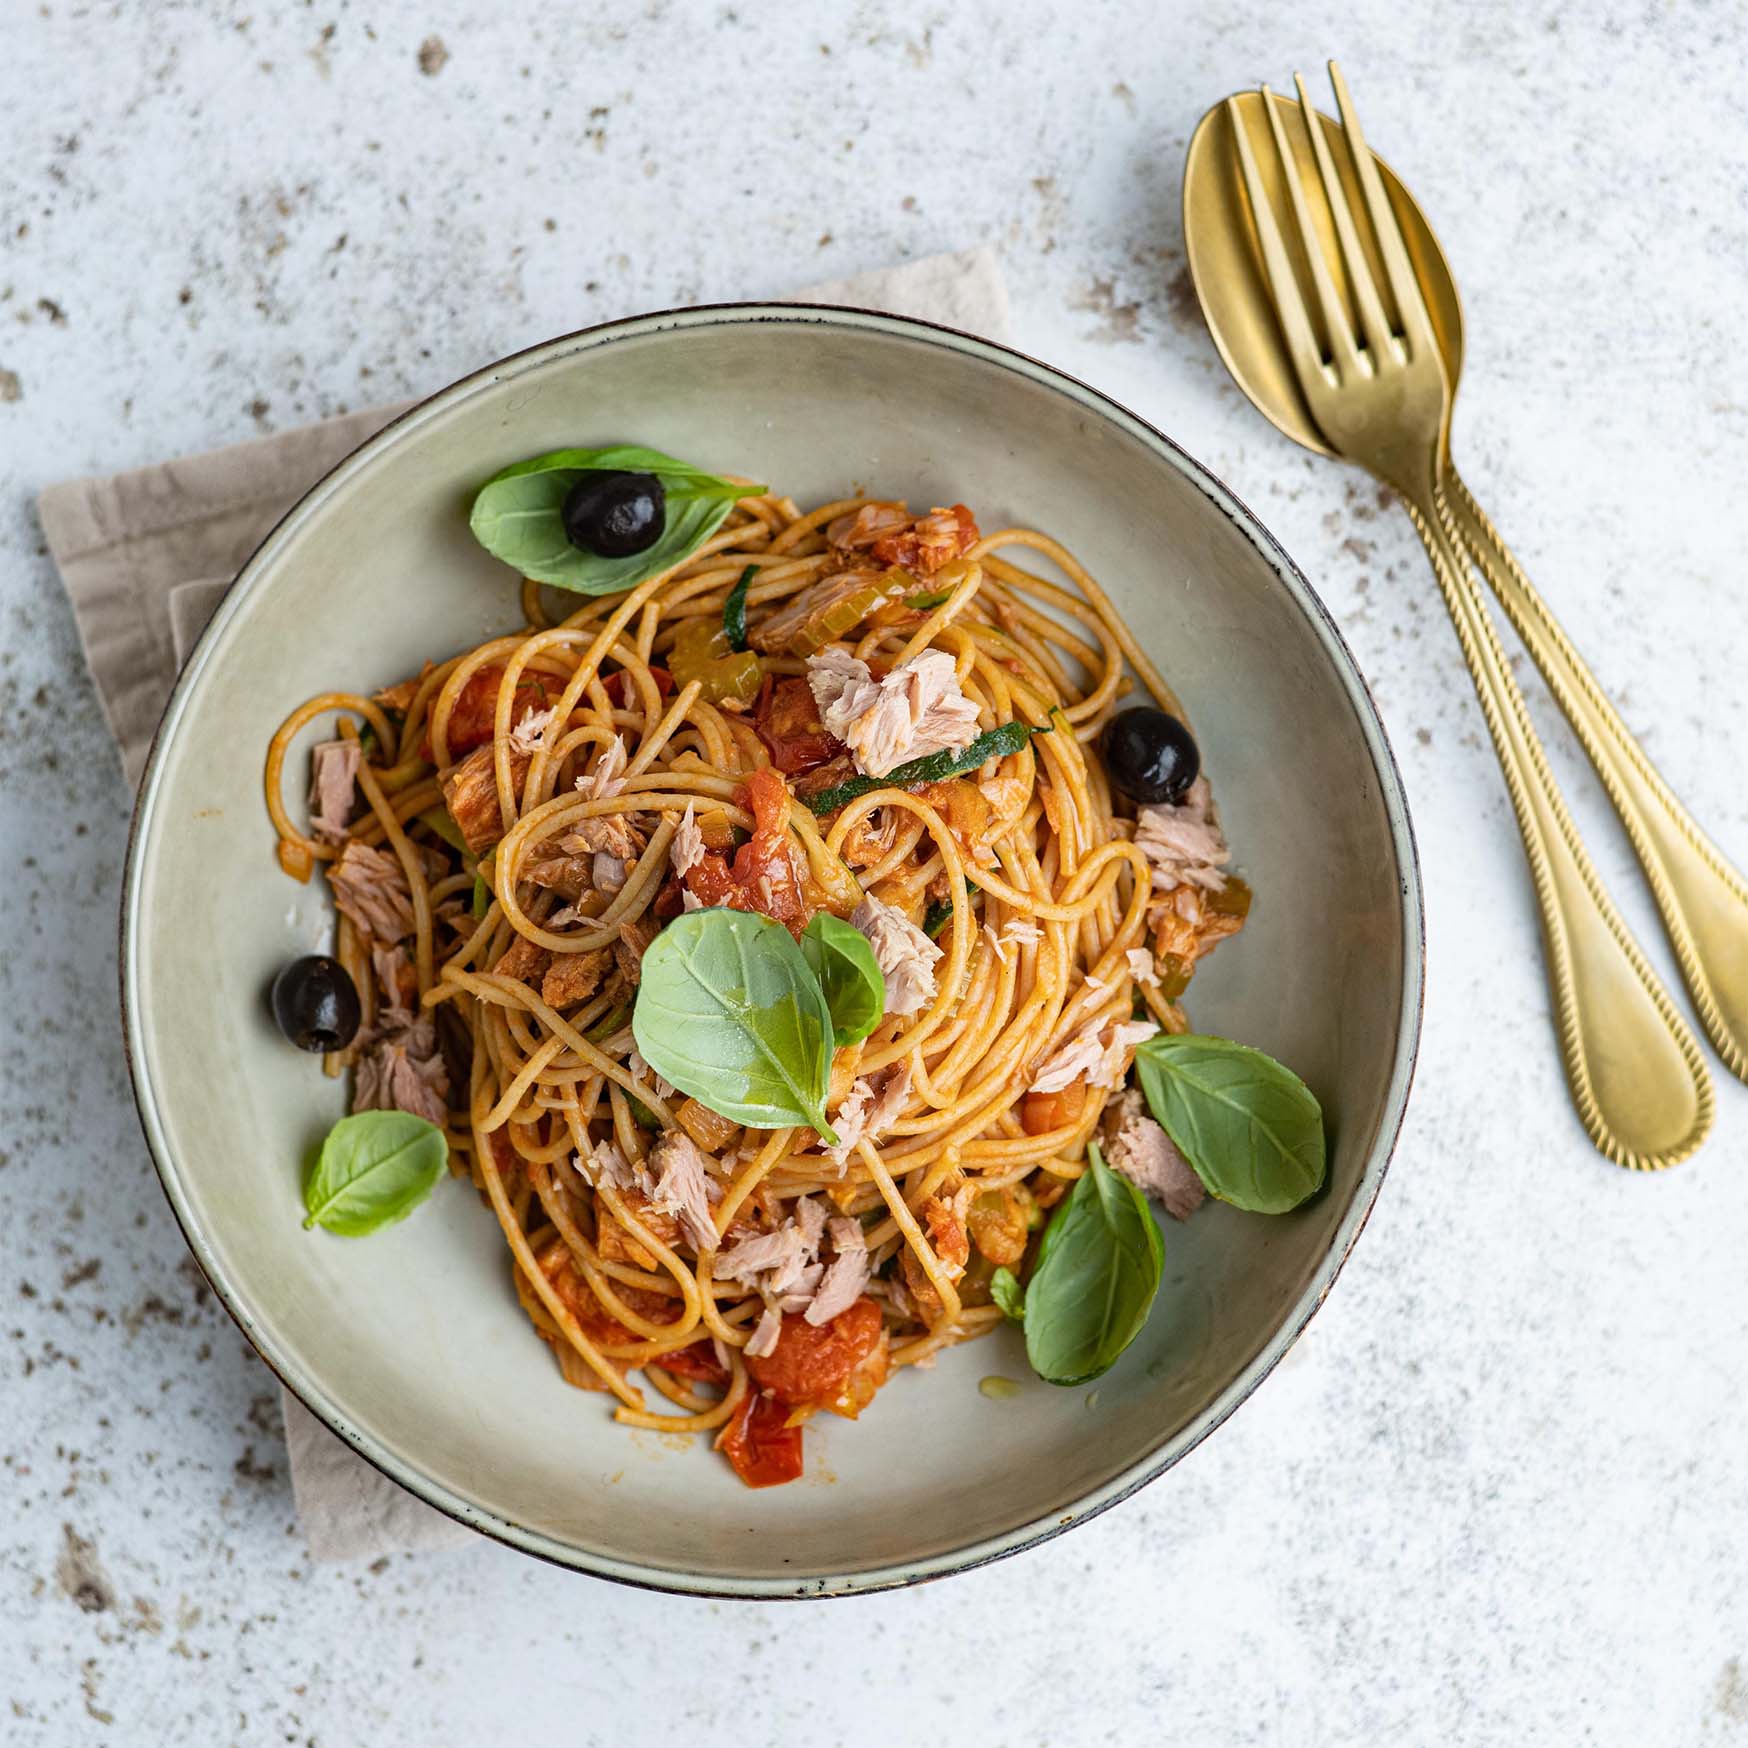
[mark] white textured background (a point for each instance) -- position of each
(1497, 1493)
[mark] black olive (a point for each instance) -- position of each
(1151, 756)
(315, 1003)
(615, 514)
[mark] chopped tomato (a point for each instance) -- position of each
(1043, 1112)
(764, 876)
(836, 1365)
(965, 810)
(696, 1361)
(787, 721)
(474, 717)
(929, 542)
(764, 1450)
(617, 686)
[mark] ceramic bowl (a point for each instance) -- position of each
(410, 1344)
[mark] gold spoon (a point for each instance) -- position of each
(1367, 371)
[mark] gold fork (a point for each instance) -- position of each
(1381, 398)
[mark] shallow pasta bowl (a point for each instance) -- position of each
(410, 1344)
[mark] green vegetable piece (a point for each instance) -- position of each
(731, 1013)
(443, 824)
(374, 1168)
(997, 743)
(1008, 1295)
(482, 895)
(927, 603)
(1251, 1128)
(609, 1023)
(848, 972)
(642, 1115)
(518, 516)
(734, 610)
(936, 917)
(1098, 1269)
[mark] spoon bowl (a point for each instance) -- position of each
(1226, 260)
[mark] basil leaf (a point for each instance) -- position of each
(1251, 1128)
(1098, 1269)
(443, 824)
(374, 1168)
(1009, 1296)
(730, 1012)
(734, 610)
(996, 743)
(848, 973)
(518, 516)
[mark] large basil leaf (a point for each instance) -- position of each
(518, 516)
(731, 1013)
(1251, 1128)
(848, 972)
(994, 743)
(1098, 1269)
(374, 1168)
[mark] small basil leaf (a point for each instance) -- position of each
(1250, 1127)
(1098, 1269)
(730, 1012)
(518, 516)
(374, 1168)
(734, 610)
(1009, 1296)
(849, 974)
(996, 743)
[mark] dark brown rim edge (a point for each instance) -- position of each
(1254, 1371)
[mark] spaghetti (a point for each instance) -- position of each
(530, 813)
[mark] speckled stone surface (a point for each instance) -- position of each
(1499, 1492)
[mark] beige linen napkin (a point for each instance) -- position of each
(145, 557)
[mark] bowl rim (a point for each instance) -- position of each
(308, 1389)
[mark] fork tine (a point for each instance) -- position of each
(1404, 288)
(1335, 322)
(1373, 322)
(1290, 309)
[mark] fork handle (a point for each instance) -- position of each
(1703, 899)
(1637, 1078)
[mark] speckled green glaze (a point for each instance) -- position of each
(410, 1344)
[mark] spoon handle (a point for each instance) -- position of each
(1703, 899)
(1641, 1088)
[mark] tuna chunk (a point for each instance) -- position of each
(524, 960)
(403, 1070)
(571, 877)
(1098, 1054)
(1184, 844)
(370, 888)
(574, 977)
(607, 778)
(611, 832)
(888, 532)
(846, 1275)
(635, 935)
(470, 791)
(686, 848)
(868, 1111)
(905, 955)
(915, 710)
(682, 1187)
(333, 788)
(1141, 1150)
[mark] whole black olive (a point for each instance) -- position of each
(315, 1003)
(615, 514)
(1151, 756)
